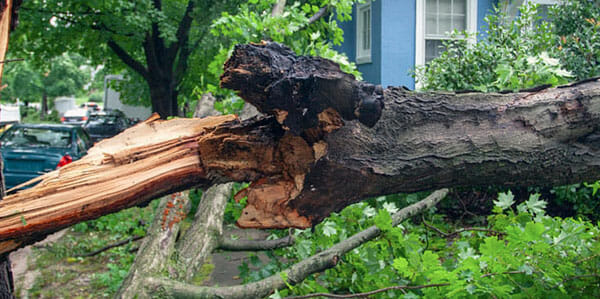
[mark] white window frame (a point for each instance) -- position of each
(420, 29)
(544, 2)
(363, 56)
(512, 8)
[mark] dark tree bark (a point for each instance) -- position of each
(165, 63)
(411, 141)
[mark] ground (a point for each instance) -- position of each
(45, 269)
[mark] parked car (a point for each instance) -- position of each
(91, 107)
(29, 150)
(106, 124)
(77, 116)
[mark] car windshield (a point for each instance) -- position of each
(36, 137)
(103, 119)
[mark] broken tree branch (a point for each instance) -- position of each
(312, 157)
(255, 245)
(155, 252)
(411, 141)
(296, 273)
(110, 246)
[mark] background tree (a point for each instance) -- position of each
(166, 47)
(61, 76)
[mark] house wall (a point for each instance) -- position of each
(371, 71)
(393, 44)
(398, 42)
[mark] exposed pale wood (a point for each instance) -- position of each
(5, 22)
(151, 159)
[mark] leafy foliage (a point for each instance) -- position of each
(577, 23)
(510, 55)
(521, 252)
(61, 76)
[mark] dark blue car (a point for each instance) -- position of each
(29, 150)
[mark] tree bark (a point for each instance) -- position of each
(154, 255)
(312, 157)
(416, 141)
(44, 106)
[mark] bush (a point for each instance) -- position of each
(96, 97)
(577, 25)
(511, 55)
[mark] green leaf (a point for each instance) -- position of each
(595, 186)
(401, 265)
(383, 220)
(505, 200)
(534, 205)
(329, 228)
(491, 247)
(533, 231)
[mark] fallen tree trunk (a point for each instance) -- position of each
(312, 158)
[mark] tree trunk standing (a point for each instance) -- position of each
(44, 108)
(163, 98)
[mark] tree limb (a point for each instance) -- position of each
(278, 8)
(154, 255)
(255, 245)
(128, 59)
(319, 14)
(184, 26)
(456, 232)
(367, 294)
(202, 238)
(312, 157)
(110, 246)
(296, 273)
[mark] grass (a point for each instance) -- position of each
(64, 275)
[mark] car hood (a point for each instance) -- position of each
(32, 160)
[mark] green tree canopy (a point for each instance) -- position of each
(166, 47)
(61, 76)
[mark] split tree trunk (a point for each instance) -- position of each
(312, 157)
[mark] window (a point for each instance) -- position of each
(543, 6)
(435, 19)
(363, 33)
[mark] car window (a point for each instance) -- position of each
(83, 135)
(103, 119)
(81, 145)
(36, 137)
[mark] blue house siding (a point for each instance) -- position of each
(397, 42)
(371, 71)
(484, 7)
(393, 40)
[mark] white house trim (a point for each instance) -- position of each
(471, 27)
(364, 55)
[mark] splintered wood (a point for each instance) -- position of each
(158, 157)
